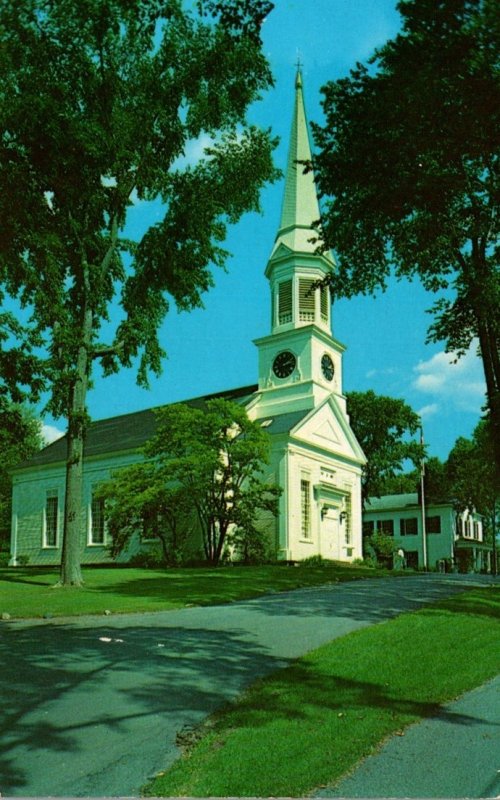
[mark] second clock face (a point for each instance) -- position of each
(284, 364)
(327, 367)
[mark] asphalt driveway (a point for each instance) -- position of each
(91, 707)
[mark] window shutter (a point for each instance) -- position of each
(306, 300)
(285, 302)
(324, 303)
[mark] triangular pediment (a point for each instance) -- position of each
(327, 432)
(327, 427)
(282, 251)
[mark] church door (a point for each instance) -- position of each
(330, 535)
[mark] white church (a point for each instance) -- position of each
(315, 457)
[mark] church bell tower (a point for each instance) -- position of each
(300, 363)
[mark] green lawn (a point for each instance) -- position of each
(307, 725)
(28, 592)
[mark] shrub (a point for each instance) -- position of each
(314, 561)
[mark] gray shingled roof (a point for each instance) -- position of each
(388, 502)
(124, 433)
(129, 432)
(283, 423)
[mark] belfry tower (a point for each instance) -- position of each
(300, 362)
(315, 457)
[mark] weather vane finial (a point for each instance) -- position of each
(299, 65)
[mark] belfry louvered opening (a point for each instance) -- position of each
(324, 303)
(285, 302)
(306, 300)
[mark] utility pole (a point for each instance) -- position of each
(422, 501)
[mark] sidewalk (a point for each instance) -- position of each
(456, 754)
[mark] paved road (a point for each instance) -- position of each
(456, 754)
(91, 707)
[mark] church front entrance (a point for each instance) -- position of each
(330, 534)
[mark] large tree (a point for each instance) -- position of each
(206, 462)
(408, 161)
(384, 427)
(99, 100)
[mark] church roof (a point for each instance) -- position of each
(283, 423)
(127, 432)
(300, 200)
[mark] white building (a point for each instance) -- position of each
(451, 540)
(315, 457)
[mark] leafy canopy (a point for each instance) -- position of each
(99, 100)
(383, 427)
(408, 160)
(203, 472)
(20, 438)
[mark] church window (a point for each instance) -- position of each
(347, 520)
(306, 300)
(285, 302)
(97, 521)
(51, 518)
(324, 303)
(305, 508)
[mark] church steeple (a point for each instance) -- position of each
(300, 363)
(300, 202)
(294, 266)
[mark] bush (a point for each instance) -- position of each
(314, 561)
(248, 546)
(148, 559)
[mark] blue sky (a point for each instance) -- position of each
(211, 349)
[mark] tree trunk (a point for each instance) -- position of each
(71, 573)
(490, 358)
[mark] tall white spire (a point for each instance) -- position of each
(300, 201)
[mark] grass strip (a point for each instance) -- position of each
(306, 726)
(27, 592)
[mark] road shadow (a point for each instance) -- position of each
(367, 601)
(62, 684)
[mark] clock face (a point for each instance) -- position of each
(327, 367)
(284, 364)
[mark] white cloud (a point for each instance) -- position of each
(372, 373)
(50, 433)
(194, 151)
(457, 382)
(428, 411)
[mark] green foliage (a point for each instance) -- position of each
(400, 483)
(314, 561)
(382, 546)
(473, 479)
(409, 156)
(471, 472)
(383, 426)
(99, 101)
(203, 473)
(20, 438)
